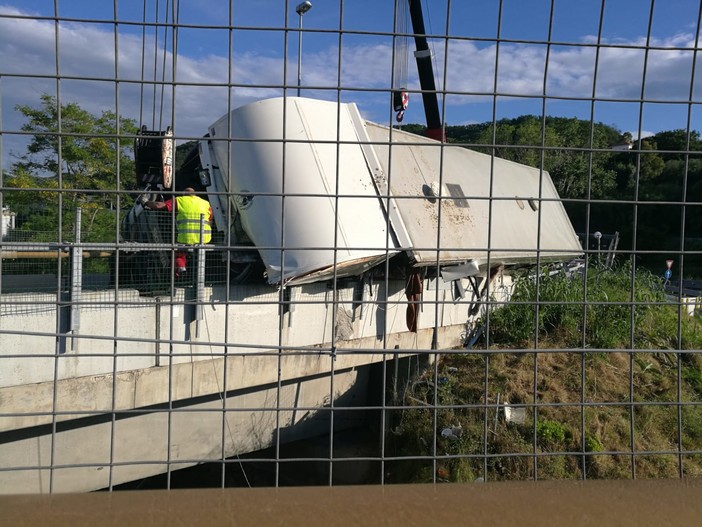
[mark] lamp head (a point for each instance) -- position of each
(303, 7)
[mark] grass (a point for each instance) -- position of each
(609, 375)
(608, 309)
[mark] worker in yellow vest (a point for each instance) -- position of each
(189, 208)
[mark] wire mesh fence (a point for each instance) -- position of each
(231, 259)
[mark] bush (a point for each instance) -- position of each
(592, 444)
(551, 432)
(593, 311)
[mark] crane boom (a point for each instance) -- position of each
(425, 72)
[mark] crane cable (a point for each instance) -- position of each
(143, 66)
(158, 100)
(154, 79)
(153, 107)
(163, 65)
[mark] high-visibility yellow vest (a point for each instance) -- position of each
(188, 212)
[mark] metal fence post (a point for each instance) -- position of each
(76, 279)
(200, 284)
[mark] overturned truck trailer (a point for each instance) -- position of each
(314, 191)
(321, 192)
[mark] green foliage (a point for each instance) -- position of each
(693, 376)
(575, 438)
(691, 426)
(181, 153)
(566, 155)
(552, 432)
(74, 159)
(592, 444)
(678, 140)
(622, 309)
(90, 147)
(611, 309)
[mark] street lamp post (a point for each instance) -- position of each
(301, 9)
(598, 237)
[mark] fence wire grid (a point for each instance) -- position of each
(436, 242)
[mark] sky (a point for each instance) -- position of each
(233, 53)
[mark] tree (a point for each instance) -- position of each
(651, 164)
(579, 158)
(563, 150)
(676, 140)
(80, 159)
(181, 154)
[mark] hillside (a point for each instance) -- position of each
(588, 401)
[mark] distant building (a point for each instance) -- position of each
(624, 146)
(8, 222)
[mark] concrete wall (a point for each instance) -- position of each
(246, 375)
(131, 332)
(108, 450)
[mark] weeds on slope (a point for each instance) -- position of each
(604, 378)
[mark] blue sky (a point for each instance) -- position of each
(464, 63)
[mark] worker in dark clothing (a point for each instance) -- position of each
(189, 208)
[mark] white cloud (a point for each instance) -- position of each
(571, 69)
(28, 63)
(644, 134)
